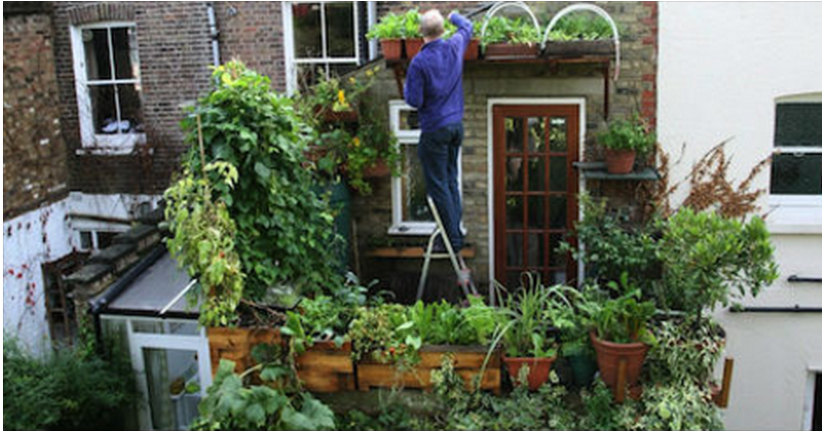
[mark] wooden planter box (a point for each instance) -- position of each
(326, 368)
(579, 48)
(468, 362)
(235, 344)
(507, 51)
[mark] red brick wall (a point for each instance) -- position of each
(34, 153)
(175, 53)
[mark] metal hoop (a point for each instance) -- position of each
(591, 8)
(502, 5)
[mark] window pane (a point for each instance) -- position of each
(173, 381)
(103, 110)
(559, 212)
(536, 174)
(513, 134)
(536, 250)
(98, 62)
(796, 174)
(559, 174)
(799, 125)
(339, 21)
(307, 30)
(131, 108)
(558, 135)
(85, 240)
(513, 175)
(415, 205)
(514, 247)
(536, 212)
(513, 212)
(536, 134)
(556, 258)
(409, 119)
(124, 41)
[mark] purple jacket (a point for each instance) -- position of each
(433, 84)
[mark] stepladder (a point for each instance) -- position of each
(464, 280)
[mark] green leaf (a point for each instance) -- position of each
(262, 170)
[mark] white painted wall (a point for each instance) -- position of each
(721, 68)
(41, 236)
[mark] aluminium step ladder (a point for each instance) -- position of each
(460, 268)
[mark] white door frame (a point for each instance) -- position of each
(495, 101)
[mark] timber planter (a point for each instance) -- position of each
(579, 48)
(326, 368)
(235, 344)
(508, 51)
(468, 361)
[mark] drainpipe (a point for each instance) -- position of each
(214, 34)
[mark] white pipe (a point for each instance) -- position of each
(178, 296)
(212, 26)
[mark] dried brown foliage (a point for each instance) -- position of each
(709, 186)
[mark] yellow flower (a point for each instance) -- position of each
(341, 97)
(356, 141)
(369, 73)
(352, 80)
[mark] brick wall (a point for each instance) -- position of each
(253, 32)
(175, 53)
(34, 153)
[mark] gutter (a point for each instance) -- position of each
(214, 35)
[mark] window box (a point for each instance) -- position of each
(508, 51)
(579, 48)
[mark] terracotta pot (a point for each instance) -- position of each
(620, 161)
(610, 354)
(413, 47)
(472, 51)
(503, 51)
(378, 170)
(391, 48)
(538, 370)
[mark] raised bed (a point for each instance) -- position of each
(468, 361)
(507, 51)
(235, 344)
(326, 368)
(579, 48)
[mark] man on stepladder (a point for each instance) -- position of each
(434, 86)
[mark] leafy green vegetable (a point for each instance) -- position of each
(581, 27)
(514, 31)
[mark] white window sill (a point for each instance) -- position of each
(794, 219)
(112, 145)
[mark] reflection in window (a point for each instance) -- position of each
(796, 168)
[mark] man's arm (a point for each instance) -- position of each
(464, 28)
(414, 86)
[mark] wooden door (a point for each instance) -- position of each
(535, 191)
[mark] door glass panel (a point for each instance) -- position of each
(536, 174)
(559, 174)
(555, 258)
(307, 30)
(173, 381)
(558, 212)
(512, 280)
(536, 250)
(339, 21)
(556, 277)
(536, 212)
(513, 134)
(514, 246)
(513, 174)
(536, 134)
(514, 212)
(559, 134)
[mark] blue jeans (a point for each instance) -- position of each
(438, 151)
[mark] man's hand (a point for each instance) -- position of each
(450, 15)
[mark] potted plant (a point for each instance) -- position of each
(389, 31)
(472, 51)
(623, 140)
(575, 348)
(577, 35)
(411, 33)
(527, 335)
(506, 38)
(620, 332)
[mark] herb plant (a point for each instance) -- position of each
(391, 26)
(626, 135)
(515, 31)
(624, 319)
(580, 27)
(528, 312)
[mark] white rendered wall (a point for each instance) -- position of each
(41, 236)
(721, 68)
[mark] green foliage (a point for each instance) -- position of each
(203, 241)
(501, 29)
(450, 29)
(393, 26)
(624, 319)
(634, 134)
(283, 230)
(611, 249)
(411, 24)
(383, 334)
(233, 404)
(711, 260)
(580, 27)
(682, 406)
(686, 350)
(601, 413)
(68, 390)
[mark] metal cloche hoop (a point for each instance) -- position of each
(591, 8)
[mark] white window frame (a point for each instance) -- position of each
(92, 142)
(795, 213)
(409, 137)
(292, 63)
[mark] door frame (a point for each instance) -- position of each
(496, 101)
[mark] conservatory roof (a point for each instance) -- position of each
(158, 288)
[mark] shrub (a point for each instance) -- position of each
(67, 390)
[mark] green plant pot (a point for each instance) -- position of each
(583, 368)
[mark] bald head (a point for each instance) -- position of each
(432, 24)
